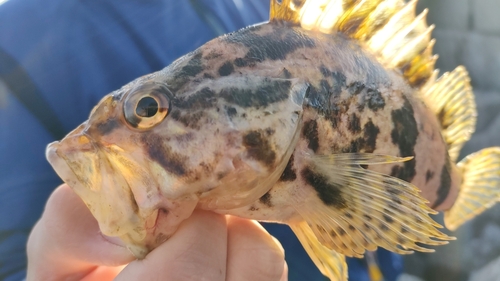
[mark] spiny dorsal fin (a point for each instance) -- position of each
(389, 28)
(452, 100)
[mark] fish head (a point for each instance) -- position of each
(103, 160)
(150, 153)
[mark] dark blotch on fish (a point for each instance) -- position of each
(191, 120)
(341, 231)
(338, 82)
(404, 229)
(370, 133)
(445, 183)
(289, 172)
(107, 126)
(317, 99)
(269, 131)
(226, 69)
(325, 71)
(404, 135)
(204, 98)
(392, 190)
(231, 111)
(163, 155)
(366, 143)
(266, 199)
(269, 92)
(329, 193)
(356, 88)
(213, 55)
(387, 218)
(207, 76)
(326, 98)
(242, 62)
(428, 176)
(310, 132)
(384, 227)
(259, 148)
(193, 67)
(375, 100)
(354, 123)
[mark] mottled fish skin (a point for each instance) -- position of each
(354, 105)
(241, 125)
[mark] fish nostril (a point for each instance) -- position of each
(83, 139)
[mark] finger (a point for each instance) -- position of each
(253, 254)
(196, 251)
(66, 241)
(284, 276)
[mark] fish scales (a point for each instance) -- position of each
(348, 109)
(329, 118)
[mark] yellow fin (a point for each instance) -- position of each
(388, 28)
(330, 263)
(358, 209)
(452, 100)
(480, 187)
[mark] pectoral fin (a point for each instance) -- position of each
(357, 209)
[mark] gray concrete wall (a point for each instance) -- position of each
(468, 33)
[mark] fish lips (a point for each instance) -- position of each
(86, 169)
(118, 191)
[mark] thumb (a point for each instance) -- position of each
(66, 241)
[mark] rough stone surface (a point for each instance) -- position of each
(448, 14)
(485, 16)
(491, 272)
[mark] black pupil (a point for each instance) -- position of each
(147, 107)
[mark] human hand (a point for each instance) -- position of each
(66, 244)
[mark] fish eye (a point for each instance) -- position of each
(147, 105)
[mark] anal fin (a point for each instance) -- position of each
(330, 263)
(480, 187)
(369, 209)
(452, 100)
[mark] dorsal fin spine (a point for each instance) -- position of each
(451, 99)
(387, 28)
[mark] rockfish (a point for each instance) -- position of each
(328, 118)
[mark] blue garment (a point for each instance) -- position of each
(76, 52)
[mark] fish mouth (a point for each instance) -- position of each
(106, 189)
(120, 189)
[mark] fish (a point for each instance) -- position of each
(329, 118)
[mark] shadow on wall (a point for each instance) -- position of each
(468, 33)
